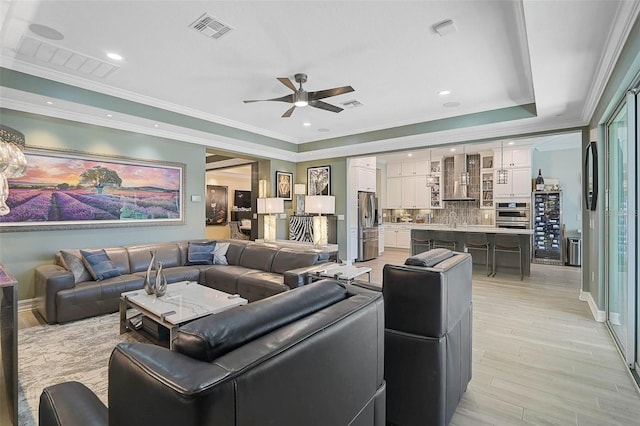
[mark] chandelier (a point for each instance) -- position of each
(13, 163)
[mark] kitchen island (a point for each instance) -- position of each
(423, 234)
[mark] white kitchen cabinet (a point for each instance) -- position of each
(390, 236)
(394, 169)
(380, 239)
(366, 162)
(408, 192)
(404, 238)
(407, 168)
(513, 158)
(394, 193)
(518, 184)
(414, 192)
(365, 179)
(397, 236)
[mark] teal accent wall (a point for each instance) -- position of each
(624, 74)
(22, 252)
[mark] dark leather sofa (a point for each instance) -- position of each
(310, 356)
(254, 270)
(428, 318)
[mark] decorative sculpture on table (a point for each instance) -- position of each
(161, 281)
(149, 282)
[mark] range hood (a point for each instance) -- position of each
(458, 192)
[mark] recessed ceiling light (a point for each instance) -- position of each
(452, 150)
(114, 56)
(306, 124)
(49, 103)
(511, 143)
(409, 155)
(444, 92)
(156, 125)
(109, 115)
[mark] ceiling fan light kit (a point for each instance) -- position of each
(302, 98)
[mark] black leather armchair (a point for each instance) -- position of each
(428, 316)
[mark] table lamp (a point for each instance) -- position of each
(269, 207)
(320, 204)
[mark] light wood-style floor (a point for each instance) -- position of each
(539, 358)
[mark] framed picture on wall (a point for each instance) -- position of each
(319, 180)
(67, 189)
(284, 185)
(217, 205)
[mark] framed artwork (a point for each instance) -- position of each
(319, 180)
(65, 189)
(217, 205)
(590, 178)
(284, 185)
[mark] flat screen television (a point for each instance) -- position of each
(242, 199)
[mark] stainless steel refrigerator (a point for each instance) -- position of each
(367, 226)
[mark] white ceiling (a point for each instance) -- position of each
(557, 54)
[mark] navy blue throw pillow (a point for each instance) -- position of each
(200, 253)
(99, 264)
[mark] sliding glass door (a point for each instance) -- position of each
(621, 223)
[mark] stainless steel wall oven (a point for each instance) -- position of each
(516, 215)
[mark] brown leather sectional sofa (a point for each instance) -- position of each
(254, 271)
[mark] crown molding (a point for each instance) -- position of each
(625, 19)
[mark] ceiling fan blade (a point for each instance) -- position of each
(287, 98)
(324, 105)
(321, 94)
(288, 112)
(288, 83)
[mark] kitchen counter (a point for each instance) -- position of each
(422, 233)
(460, 228)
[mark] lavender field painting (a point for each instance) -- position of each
(69, 190)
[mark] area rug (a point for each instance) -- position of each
(50, 354)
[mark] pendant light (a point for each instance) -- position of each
(464, 176)
(502, 178)
(432, 181)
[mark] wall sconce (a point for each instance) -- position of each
(13, 163)
(320, 204)
(269, 207)
(300, 189)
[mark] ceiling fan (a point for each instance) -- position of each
(301, 98)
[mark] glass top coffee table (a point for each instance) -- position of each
(340, 272)
(183, 302)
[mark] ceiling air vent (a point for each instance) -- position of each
(353, 103)
(209, 26)
(56, 56)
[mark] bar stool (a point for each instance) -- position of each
(507, 244)
(443, 239)
(478, 241)
(420, 245)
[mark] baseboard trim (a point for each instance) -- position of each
(599, 316)
(26, 305)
